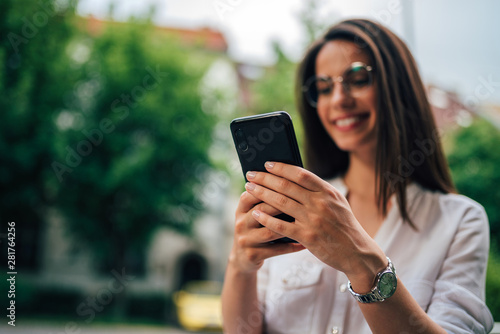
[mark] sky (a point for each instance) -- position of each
(455, 42)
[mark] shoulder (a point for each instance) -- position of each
(451, 209)
(452, 203)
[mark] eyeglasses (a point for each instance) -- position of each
(356, 78)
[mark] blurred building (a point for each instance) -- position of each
(449, 112)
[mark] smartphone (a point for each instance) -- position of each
(266, 137)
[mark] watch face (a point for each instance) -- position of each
(387, 284)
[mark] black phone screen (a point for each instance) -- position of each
(266, 137)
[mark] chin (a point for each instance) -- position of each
(355, 144)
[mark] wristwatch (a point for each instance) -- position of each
(385, 286)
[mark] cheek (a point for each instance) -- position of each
(369, 103)
(322, 113)
(372, 101)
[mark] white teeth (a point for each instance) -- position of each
(347, 121)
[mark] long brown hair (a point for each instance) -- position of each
(408, 144)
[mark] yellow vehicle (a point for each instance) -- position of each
(198, 305)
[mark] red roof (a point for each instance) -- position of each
(207, 38)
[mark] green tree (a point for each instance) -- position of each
(135, 140)
(107, 129)
(493, 284)
(275, 90)
(315, 20)
(34, 78)
(474, 158)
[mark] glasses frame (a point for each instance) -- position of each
(333, 80)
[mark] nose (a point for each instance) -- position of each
(340, 97)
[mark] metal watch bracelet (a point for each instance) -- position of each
(375, 295)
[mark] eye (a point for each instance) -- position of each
(323, 86)
(358, 77)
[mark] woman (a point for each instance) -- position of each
(384, 243)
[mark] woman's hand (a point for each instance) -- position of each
(251, 240)
(324, 222)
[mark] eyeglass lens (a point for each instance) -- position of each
(354, 82)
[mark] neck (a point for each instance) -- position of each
(360, 175)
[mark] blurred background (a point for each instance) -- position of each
(116, 160)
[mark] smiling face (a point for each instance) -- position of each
(349, 119)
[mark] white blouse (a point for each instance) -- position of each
(442, 264)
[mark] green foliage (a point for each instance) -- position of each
(140, 103)
(474, 159)
(493, 284)
(34, 79)
(275, 90)
(107, 129)
(313, 19)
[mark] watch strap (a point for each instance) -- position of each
(374, 294)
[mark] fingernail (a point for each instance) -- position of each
(255, 213)
(269, 165)
(250, 186)
(251, 175)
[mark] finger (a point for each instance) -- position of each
(280, 249)
(280, 185)
(276, 225)
(264, 207)
(296, 174)
(266, 251)
(258, 236)
(247, 202)
(279, 201)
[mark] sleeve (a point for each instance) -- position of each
(458, 303)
